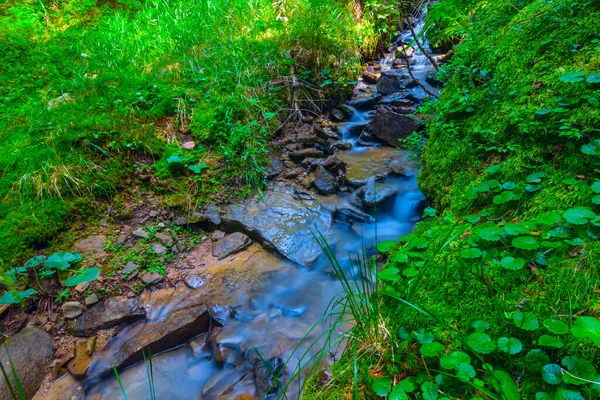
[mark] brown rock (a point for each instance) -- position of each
(112, 312)
(306, 153)
(84, 349)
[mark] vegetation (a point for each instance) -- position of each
(495, 293)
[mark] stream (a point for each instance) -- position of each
(268, 300)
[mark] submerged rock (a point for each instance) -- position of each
(355, 214)
(389, 126)
(230, 244)
(268, 377)
(111, 312)
(30, 351)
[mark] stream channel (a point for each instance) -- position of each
(269, 297)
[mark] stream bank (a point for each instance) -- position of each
(262, 282)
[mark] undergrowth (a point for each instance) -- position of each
(505, 261)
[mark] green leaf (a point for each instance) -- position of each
(410, 272)
(390, 274)
(197, 168)
(550, 341)
(381, 386)
(525, 243)
(566, 394)
(526, 321)
(176, 160)
(481, 343)
(406, 385)
(34, 262)
(593, 78)
(579, 367)
(491, 233)
(386, 246)
(596, 187)
(464, 371)
(579, 215)
(398, 393)
(589, 149)
(517, 229)
(512, 264)
(572, 77)
(418, 243)
(596, 199)
(549, 218)
(503, 197)
(536, 359)
(492, 169)
(88, 274)
(594, 102)
(422, 336)
(471, 253)
(536, 177)
(507, 386)
(552, 374)
(451, 360)
(533, 188)
(429, 391)
(556, 326)
(432, 349)
(10, 298)
(61, 260)
(543, 111)
(542, 396)
(510, 345)
(472, 219)
(481, 326)
(429, 212)
(587, 328)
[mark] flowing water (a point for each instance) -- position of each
(280, 302)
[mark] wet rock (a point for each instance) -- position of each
(336, 115)
(433, 81)
(282, 223)
(177, 328)
(66, 387)
(388, 85)
(389, 126)
(355, 214)
(292, 174)
(222, 382)
(219, 314)
(308, 181)
(200, 347)
(268, 377)
(112, 312)
(140, 233)
(397, 100)
(230, 244)
(405, 110)
(409, 83)
(356, 129)
(193, 281)
(212, 213)
(159, 249)
(226, 355)
(275, 166)
(373, 195)
(306, 153)
(92, 246)
(340, 146)
(164, 238)
(84, 349)
(417, 95)
(366, 139)
(193, 219)
(30, 351)
(326, 133)
(91, 299)
(72, 309)
(152, 278)
(370, 76)
(325, 181)
(365, 102)
(335, 165)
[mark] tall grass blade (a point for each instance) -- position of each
(8, 383)
(120, 383)
(14, 374)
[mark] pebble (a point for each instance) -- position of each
(151, 278)
(72, 309)
(91, 299)
(159, 249)
(193, 281)
(140, 233)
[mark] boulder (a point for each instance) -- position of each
(388, 85)
(389, 126)
(326, 133)
(325, 181)
(212, 213)
(193, 281)
(159, 249)
(282, 222)
(164, 238)
(111, 312)
(433, 81)
(397, 100)
(230, 244)
(30, 351)
(371, 195)
(175, 329)
(336, 115)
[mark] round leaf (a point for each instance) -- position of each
(526, 320)
(481, 343)
(588, 328)
(503, 197)
(578, 215)
(552, 374)
(572, 77)
(512, 263)
(389, 274)
(525, 243)
(471, 253)
(381, 386)
(386, 246)
(593, 78)
(481, 326)
(510, 345)
(88, 274)
(556, 326)
(550, 341)
(429, 390)
(536, 359)
(432, 349)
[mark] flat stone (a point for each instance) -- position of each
(82, 287)
(72, 309)
(159, 249)
(30, 351)
(177, 328)
(230, 244)
(140, 233)
(190, 145)
(152, 278)
(194, 218)
(112, 312)
(218, 235)
(164, 238)
(92, 246)
(370, 76)
(193, 281)
(129, 268)
(365, 102)
(306, 153)
(91, 300)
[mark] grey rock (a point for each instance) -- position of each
(230, 244)
(371, 195)
(212, 213)
(365, 102)
(388, 85)
(140, 233)
(306, 153)
(159, 249)
(219, 313)
(217, 235)
(339, 146)
(193, 281)
(164, 238)
(111, 312)
(92, 246)
(325, 181)
(30, 351)
(433, 81)
(268, 377)
(129, 268)
(152, 278)
(337, 115)
(225, 355)
(397, 100)
(409, 83)
(91, 299)
(326, 133)
(194, 218)
(389, 126)
(72, 309)
(188, 145)
(275, 166)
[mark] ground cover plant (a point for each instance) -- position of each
(503, 268)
